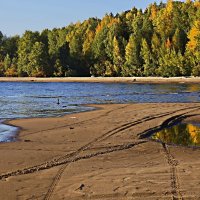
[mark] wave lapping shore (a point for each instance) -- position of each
(7, 132)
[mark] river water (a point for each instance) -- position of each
(30, 99)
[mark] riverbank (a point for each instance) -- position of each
(100, 155)
(105, 79)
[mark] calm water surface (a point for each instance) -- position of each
(21, 100)
(180, 134)
(24, 100)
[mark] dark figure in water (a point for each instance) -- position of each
(58, 102)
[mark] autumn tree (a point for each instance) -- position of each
(10, 66)
(133, 59)
(179, 40)
(118, 60)
(193, 48)
(162, 40)
(38, 61)
(26, 43)
(149, 67)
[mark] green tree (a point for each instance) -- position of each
(162, 40)
(118, 60)
(1, 37)
(10, 46)
(1, 52)
(11, 69)
(179, 40)
(7, 62)
(169, 63)
(155, 48)
(26, 43)
(38, 61)
(133, 60)
(62, 71)
(193, 48)
(149, 67)
(99, 45)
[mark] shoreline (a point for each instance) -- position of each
(8, 132)
(94, 107)
(143, 80)
(17, 129)
(100, 155)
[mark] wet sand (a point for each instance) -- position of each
(105, 79)
(102, 154)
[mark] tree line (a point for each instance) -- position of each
(162, 40)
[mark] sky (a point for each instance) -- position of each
(36, 15)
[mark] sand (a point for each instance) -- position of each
(105, 79)
(102, 154)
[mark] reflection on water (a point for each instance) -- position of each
(180, 134)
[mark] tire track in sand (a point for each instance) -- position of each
(87, 156)
(175, 184)
(115, 131)
(73, 157)
(172, 162)
(110, 133)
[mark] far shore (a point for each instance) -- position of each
(104, 79)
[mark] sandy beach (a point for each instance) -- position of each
(102, 154)
(105, 79)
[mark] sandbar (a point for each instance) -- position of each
(156, 80)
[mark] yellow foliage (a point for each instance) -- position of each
(88, 41)
(169, 6)
(107, 21)
(11, 72)
(197, 4)
(69, 36)
(99, 28)
(153, 12)
(193, 88)
(164, 20)
(192, 36)
(194, 134)
(36, 73)
(168, 43)
(116, 46)
(188, 1)
(129, 16)
(113, 21)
